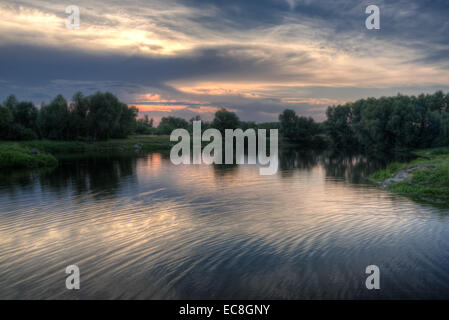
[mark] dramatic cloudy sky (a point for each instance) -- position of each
(185, 58)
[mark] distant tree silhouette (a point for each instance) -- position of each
(390, 124)
(225, 119)
(168, 124)
(96, 117)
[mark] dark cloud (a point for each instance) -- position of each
(419, 24)
(30, 64)
(39, 73)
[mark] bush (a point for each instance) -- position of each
(300, 130)
(14, 156)
(6, 119)
(19, 132)
(168, 124)
(98, 117)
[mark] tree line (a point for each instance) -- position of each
(96, 117)
(386, 124)
(390, 124)
(223, 119)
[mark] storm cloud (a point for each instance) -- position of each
(192, 57)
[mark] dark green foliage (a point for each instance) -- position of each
(19, 132)
(300, 130)
(62, 148)
(104, 115)
(168, 124)
(127, 122)
(204, 124)
(225, 119)
(248, 125)
(13, 155)
(97, 117)
(11, 102)
(6, 119)
(339, 126)
(24, 116)
(288, 120)
(79, 126)
(385, 125)
(390, 124)
(145, 126)
(269, 125)
(54, 119)
(443, 134)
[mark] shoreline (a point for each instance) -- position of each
(425, 178)
(19, 154)
(34, 154)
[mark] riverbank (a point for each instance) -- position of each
(44, 153)
(425, 178)
(16, 156)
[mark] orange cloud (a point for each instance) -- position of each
(313, 101)
(220, 89)
(205, 109)
(164, 108)
(150, 97)
(174, 107)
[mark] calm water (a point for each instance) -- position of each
(140, 227)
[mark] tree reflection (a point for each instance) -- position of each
(100, 175)
(351, 167)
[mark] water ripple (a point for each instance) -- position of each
(164, 231)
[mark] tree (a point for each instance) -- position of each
(6, 120)
(287, 121)
(54, 119)
(127, 121)
(225, 119)
(24, 115)
(443, 135)
(390, 124)
(99, 116)
(79, 109)
(306, 129)
(104, 115)
(11, 102)
(149, 122)
(402, 125)
(145, 125)
(268, 125)
(168, 124)
(244, 125)
(300, 130)
(339, 126)
(438, 102)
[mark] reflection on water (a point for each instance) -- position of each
(140, 227)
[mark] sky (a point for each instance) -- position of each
(257, 58)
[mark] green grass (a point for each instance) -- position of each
(429, 184)
(389, 171)
(19, 154)
(13, 155)
(148, 143)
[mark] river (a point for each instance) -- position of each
(139, 227)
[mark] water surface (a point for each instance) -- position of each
(139, 227)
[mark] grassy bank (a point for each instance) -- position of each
(20, 154)
(13, 155)
(142, 142)
(425, 178)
